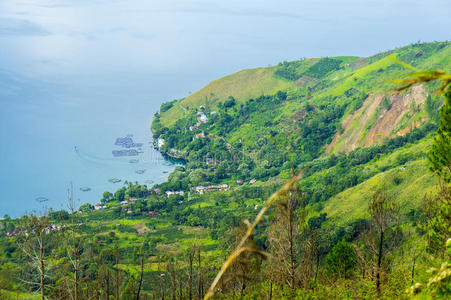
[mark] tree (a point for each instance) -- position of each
(282, 237)
(230, 102)
(384, 213)
(171, 268)
(35, 244)
(200, 286)
(74, 245)
(85, 207)
(106, 197)
(244, 268)
(438, 219)
(191, 255)
(440, 154)
(341, 260)
(141, 274)
(117, 270)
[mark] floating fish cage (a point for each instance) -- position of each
(41, 199)
(131, 152)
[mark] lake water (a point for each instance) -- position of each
(42, 122)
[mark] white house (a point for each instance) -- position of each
(203, 118)
(160, 142)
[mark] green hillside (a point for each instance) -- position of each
(365, 219)
(242, 85)
(358, 89)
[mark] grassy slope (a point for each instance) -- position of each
(407, 185)
(242, 85)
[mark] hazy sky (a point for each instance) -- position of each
(193, 42)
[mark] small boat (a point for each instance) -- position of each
(85, 189)
(41, 199)
(141, 171)
(114, 180)
(133, 161)
(165, 172)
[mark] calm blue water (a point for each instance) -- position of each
(41, 123)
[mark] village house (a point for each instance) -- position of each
(13, 233)
(203, 118)
(130, 200)
(199, 135)
(219, 187)
(160, 142)
(170, 193)
(153, 214)
(99, 207)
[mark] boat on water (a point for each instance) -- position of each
(141, 171)
(133, 161)
(114, 180)
(85, 189)
(165, 172)
(41, 199)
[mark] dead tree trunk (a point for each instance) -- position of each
(42, 264)
(140, 278)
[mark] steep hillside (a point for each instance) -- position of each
(359, 90)
(405, 176)
(381, 116)
(339, 120)
(322, 106)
